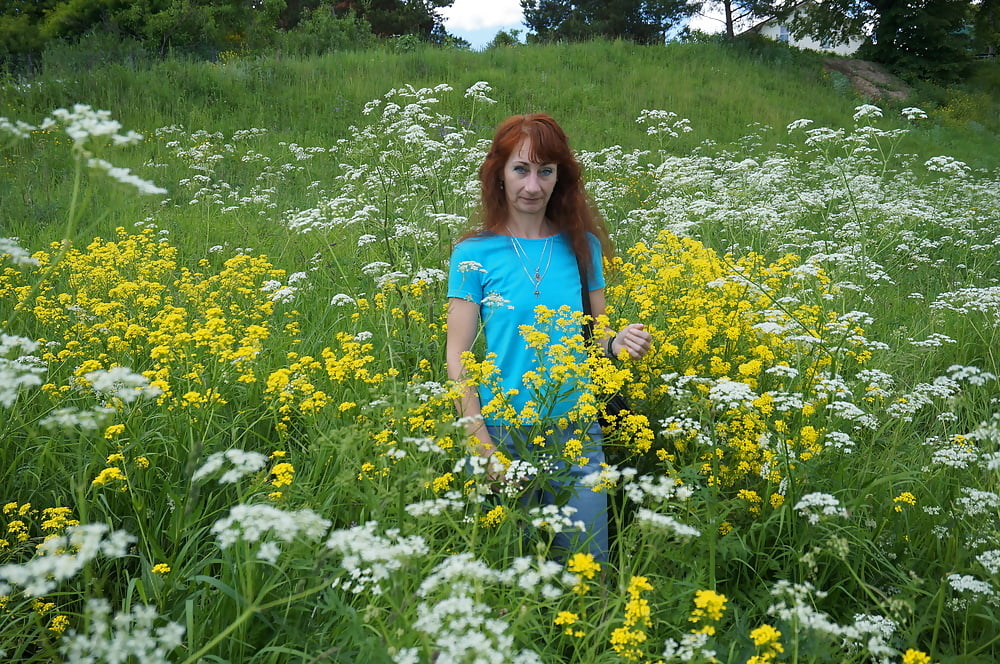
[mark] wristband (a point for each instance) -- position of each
(611, 340)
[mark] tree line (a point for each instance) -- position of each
(26, 26)
(931, 39)
(926, 38)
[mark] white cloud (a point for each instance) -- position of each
(466, 15)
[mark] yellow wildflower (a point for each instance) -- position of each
(283, 474)
(109, 475)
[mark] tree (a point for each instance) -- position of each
(986, 35)
(923, 38)
(641, 21)
(392, 18)
(737, 12)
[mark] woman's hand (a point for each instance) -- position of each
(632, 338)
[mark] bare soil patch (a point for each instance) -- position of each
(869, 79)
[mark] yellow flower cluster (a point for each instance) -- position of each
(585, 568)
(188, 331)
(912, 656)
(905, 498)
(708, 608)
(743, 322)
(494, 517)
(115, 473)
(20, 518)
(566, 620)
(766, 639)
(627, 640)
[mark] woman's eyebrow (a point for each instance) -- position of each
(529, 163)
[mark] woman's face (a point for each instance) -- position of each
(528, 184)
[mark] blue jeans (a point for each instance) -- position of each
(591, 507)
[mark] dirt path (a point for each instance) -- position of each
(869, 79)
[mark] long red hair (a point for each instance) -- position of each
(569, 208)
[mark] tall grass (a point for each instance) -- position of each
(817, 420)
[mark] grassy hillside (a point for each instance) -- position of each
(228, 435)
(595, 89)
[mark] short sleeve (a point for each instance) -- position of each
(465, 274)
(595, 279)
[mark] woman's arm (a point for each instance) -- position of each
(463, 326)
(632, 338)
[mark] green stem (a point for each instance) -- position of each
(247, 613)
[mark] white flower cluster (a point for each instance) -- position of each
(451, 501)
(975, 502)
(665, 523)
(663, 122)
(479, 91)
(10, 250)
(967, 300)
(69, 419)
(62, 557)
(124, 176)
(83, 123)
(342, 300)
(555, 519)
(955, 456)
(683, 427)
(127, 637)
(242, 462)
(459, 626)
(969, 590)
(867, 112)
(948, 166)
(16, 128)
(471, 266)
(970, 374)
(990, 560)
(815, 506)
(21, 373)
(690, 648)
(254, 523)
(656, 489)
(279, 292)
(518, 473)
(728, 394)
(935, 340)
(121, 384)
(495, 300)
(796, 607)
(907, 405)
(370, 559)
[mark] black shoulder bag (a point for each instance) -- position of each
(614, 406)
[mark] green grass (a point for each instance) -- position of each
(890, 237)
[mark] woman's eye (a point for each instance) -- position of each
(547, 171)
(519, 169)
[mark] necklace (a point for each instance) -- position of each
(522, 257)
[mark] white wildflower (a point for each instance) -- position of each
(266, 523)
(814, 506)
(241, 462)
(121, 383)
(12, 251)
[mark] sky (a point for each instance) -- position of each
(478, 21)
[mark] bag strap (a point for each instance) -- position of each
(588, 327)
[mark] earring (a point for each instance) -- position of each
(501, 185)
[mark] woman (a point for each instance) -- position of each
(538, 233)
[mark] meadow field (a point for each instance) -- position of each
(226, 431)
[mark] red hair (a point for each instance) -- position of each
(569, 208)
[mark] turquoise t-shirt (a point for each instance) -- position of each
(488, 269)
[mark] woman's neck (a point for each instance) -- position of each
(529, 228)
